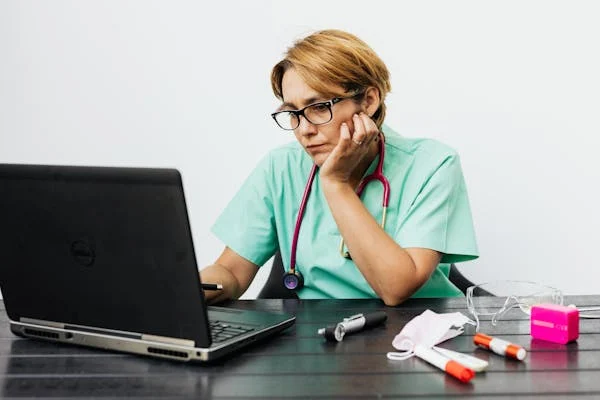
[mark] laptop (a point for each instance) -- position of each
(103, 257)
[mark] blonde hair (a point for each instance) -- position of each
(329, 59)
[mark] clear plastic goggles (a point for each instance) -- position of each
(515, 294)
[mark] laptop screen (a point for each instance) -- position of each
(100, 247)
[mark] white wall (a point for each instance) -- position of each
(512, 85)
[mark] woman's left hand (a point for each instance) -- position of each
(350, 149)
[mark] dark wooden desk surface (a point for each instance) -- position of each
(300, 364)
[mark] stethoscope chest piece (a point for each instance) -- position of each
(293, 280)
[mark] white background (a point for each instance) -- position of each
(514, 86)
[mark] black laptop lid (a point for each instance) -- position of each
(101, 247)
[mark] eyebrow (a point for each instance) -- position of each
(308, 101)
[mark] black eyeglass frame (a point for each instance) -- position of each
(329, 104)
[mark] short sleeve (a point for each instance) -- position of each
(247, 224)
(440, 218)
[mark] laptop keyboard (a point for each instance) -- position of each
(221, 331)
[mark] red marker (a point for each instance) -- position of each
(451, 367)
(499, 346)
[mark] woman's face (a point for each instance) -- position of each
(317, 140)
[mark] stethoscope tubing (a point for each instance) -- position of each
(307, 190)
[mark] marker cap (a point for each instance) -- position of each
(459, 371)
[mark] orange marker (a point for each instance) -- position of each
(451, 367)
(499, 346)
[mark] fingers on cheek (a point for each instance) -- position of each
(359, 128)
(345, 132)
(370, 127)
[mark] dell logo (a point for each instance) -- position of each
(83, 252)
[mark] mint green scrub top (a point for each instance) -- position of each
(428, 208)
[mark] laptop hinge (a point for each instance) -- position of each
(169, 340)
(150, 338)
(34, 321)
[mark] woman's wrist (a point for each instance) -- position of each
(337, 192)
(333, 182)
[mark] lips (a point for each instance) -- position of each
(315, 147)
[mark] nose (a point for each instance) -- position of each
(305, 127)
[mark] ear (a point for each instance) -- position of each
(371, 101)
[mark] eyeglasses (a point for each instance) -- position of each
(317, 114)
(513, 294)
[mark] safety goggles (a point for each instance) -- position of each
(513, 294)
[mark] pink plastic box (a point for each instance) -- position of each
(554, 323)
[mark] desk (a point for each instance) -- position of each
(300, 364)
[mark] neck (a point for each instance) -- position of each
(364, 164)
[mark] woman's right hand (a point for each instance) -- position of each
(232, 271)
(351, 148)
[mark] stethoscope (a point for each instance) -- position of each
(293, 279)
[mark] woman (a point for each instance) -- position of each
(332, 87)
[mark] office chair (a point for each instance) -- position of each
(274, 289)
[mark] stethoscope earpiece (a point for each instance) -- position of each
(293, 280)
